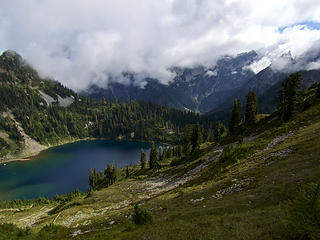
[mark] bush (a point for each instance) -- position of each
(304, 214)
(232, 154)
(141, 216)
(10, 231)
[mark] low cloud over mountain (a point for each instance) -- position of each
(96, 41)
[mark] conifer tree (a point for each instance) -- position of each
(187, 146)
(169, 153)
(236, 116)
(114, 174)
(91, 179)
(108, 175)
(251, 109)
(164, 153)
(153, 161)
(127, 172)
(220, 130)
(289, 96)
(179, 151)
(210, 133)
(318, 91)
(197, 138)
(143, 160)
(95, 178)
(193, 138)
(160, 154)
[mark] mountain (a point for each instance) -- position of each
(191, 88)
(36, 113)
(212, 89)
(268, 82)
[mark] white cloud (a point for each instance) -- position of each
(83, 42)
(313, 65)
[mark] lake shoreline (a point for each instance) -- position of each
(31, 156)
(34, 153)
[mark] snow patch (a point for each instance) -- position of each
(49, 100)
(210, 73)
(259, 65)
(63, 102)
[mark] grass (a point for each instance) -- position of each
(243, 199)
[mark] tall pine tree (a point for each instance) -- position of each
(219, 130)
(251, 109)
(187, 146)
(197, 137)
(289, 96)
(236, 117)
(143, 160)
(153, 161)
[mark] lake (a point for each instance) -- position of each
(64, 168)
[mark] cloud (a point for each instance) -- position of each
(85, 42)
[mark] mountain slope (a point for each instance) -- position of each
(190, 86)
(38, 111)
(209, 197)
(267, 84)
(213, 89)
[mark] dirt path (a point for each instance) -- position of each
(166, 183)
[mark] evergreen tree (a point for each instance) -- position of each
(318, 91)
(220, 130)
(160, 152)
(164, 154)
(193, 138)
(197, 138)
(236, 116)
(169, 153)
(127, 172)
(251, 109)
(187, 146)
(143, 160)
(210, 134)
(289, 96)
(95, 178)
(153, 161)
(114, 174)
(108, 175)
(91, 178)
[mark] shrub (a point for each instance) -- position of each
(304, 214)
(141, 216)
(232, 154)
(11, 231)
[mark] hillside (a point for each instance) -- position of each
(217, 194)
(37, 113)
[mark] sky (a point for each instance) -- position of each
(94, 41)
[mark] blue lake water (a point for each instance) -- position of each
(64, 168)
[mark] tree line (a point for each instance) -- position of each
(99, 179)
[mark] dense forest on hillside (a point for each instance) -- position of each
(22, 102)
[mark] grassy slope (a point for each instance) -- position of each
(245, 200)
